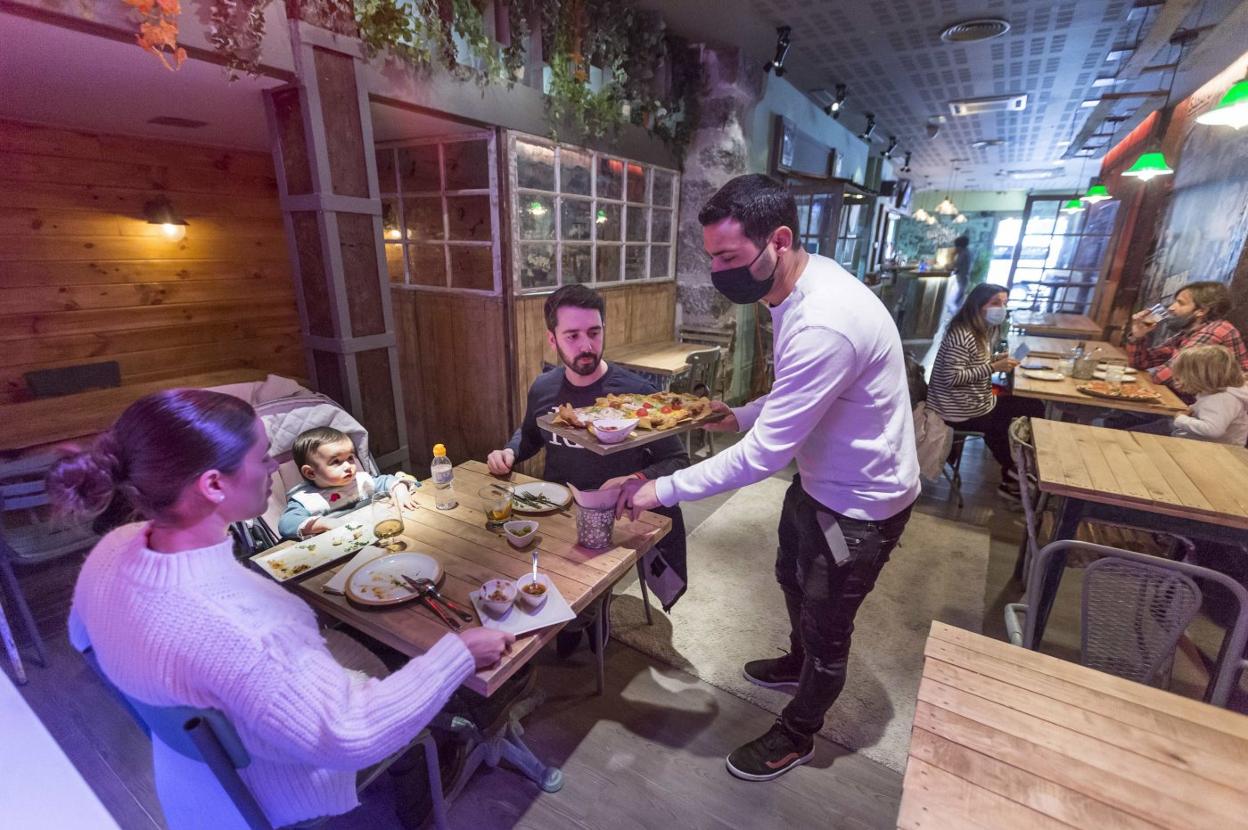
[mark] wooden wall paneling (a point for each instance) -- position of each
(452, 354)
(84, 277)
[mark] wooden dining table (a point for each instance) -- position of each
(1007, 737)
(1055, 347)
(662, 358)
(1178, 485)
(470, 554)
(1051, 324)
(1061, 395)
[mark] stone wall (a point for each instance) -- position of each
(718, 151)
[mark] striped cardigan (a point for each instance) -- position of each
(961, 384)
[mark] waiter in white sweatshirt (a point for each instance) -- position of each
(839, 405)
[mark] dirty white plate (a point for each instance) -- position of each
(1043, 374)
(380, 581)
(556, 493)
(1126, 378)
(311, 554)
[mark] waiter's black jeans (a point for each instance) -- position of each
(822, 595)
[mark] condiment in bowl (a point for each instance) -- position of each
(532, 595)
(520, 532)
(613, 430)
(497, 595)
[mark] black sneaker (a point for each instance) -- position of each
(780, 673)
(771, 755)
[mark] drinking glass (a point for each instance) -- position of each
(1113, 376)
(1066, 366)
(388, 522)
(496, 502)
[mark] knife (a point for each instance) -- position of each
(424, 597)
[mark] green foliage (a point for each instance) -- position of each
(648, 77)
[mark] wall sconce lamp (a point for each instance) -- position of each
(159, 211)
(776, 64)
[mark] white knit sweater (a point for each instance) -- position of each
(196, 628)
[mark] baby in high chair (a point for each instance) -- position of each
(334, 484)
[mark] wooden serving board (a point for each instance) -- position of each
(637, 438)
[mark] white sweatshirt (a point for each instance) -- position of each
(840, 403)
(197, 628)
(1220, 416)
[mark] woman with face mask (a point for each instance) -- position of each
(1199, 314)
(960, 389)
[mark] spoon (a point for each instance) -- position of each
(428, 587)
(534, 555)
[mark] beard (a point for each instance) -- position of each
(584, 363)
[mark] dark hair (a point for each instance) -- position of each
(1213, 297)
(576, 296)
(760, 203)
(160, 444)
(962, 241)
(969, 315)
(312, 440)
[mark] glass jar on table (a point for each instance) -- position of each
(387, 515)
(496, 502)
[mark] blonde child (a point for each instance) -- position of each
(1220, 412)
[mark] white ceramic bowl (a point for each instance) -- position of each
(520, 532)
(614, 430)
(497, 607)
(532, 602)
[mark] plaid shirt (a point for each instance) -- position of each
(1157, 359)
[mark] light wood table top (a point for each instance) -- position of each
(471, 554)
(1197, 480)
(1053, 347)
(48, 420)
(1065, 391)
(1056, 325)
(1006, 737)
(660, 358)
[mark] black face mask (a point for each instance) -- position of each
(739, 285)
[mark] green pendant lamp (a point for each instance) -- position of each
(1073, 206)
(1231, 111)
(1097, 192)
(1149, 165)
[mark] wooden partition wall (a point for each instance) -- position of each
(84, 278)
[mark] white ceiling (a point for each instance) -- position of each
(890, 55)
(51, 75)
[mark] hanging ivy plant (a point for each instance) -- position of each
(236, 31)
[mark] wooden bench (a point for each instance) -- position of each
(50, 420)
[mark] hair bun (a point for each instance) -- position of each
(83, 484)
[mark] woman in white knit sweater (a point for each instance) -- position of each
(175, 620)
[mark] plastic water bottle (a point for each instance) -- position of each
(443, 478)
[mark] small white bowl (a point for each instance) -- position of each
(532, 602)
(520, 532)
(498, 607)
(614, 430)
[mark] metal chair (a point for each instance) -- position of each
(699, 379)
(724, 339)
(28, 536)
(207, 736)
(954, 461)
(1135, 608)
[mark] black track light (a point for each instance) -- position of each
(868, 130)
(892, 146)
(776, 64)
(837, 106)
(905, 165)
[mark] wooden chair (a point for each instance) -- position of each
(1135, 608)
(28, 536)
